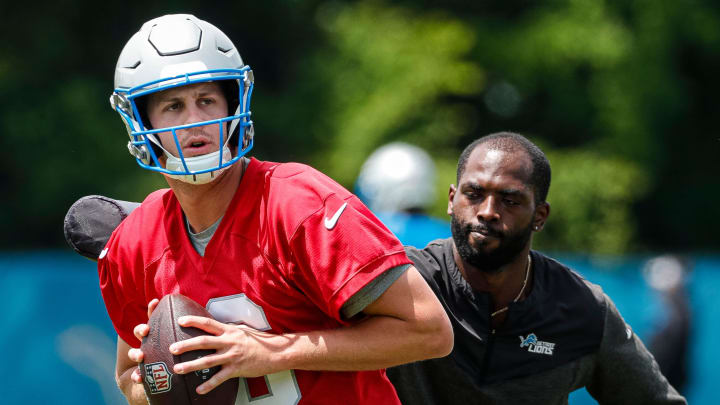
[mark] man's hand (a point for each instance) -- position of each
(241, 351)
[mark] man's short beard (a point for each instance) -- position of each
(489, 262)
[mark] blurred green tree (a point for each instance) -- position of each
(384, 71)
(591, 201)
(621, 95)
(395, 73)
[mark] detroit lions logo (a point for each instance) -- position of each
(537, 346)
(531, 339)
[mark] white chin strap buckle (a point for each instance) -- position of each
(196, 164)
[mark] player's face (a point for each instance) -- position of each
(187, 105)
(493, 208)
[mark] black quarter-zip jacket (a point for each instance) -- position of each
(566, 334)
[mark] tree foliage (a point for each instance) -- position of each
(621, 96)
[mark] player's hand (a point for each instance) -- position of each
(140, 331)
(241, 351)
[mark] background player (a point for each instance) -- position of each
(314, 280)
(671, 334)
(397, 182)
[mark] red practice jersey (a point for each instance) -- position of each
(292, 247)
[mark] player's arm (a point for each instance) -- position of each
(626, 372)
(405, 324)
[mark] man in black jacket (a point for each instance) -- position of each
(528, 330)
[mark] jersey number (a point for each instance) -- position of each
(273, 389)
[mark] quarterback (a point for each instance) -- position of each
(306, 287)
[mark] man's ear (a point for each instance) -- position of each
(542, 212)
(451, 195)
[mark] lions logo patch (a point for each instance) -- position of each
(158, 377)
(536, 346)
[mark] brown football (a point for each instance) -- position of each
(162, 385)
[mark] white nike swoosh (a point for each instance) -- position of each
(331, 222)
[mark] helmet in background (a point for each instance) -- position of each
(177, 50)
(397, 177)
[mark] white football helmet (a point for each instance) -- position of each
(177, 50)
(397, 177)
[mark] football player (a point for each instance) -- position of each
(397, 182)
(305, 284)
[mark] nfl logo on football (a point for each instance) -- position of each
(158, 377)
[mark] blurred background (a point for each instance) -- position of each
(620, 94)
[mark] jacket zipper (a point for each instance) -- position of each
(486, 358)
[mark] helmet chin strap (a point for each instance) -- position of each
(198, 163)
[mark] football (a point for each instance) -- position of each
(162, 385)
